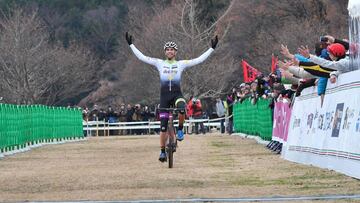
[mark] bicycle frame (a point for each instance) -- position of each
(171, 142)
(171, 128)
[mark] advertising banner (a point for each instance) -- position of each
(282, 115)
(327, 134)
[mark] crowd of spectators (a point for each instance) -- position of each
(294, 73)
(122, 113)
(137, 113)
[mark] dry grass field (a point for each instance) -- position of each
(126, 168)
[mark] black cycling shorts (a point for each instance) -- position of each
(168, 99)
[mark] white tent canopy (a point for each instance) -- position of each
(354, 8)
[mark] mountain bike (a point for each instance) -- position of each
(171, 142)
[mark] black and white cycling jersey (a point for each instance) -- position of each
(170, 70)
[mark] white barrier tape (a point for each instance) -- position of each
(101, 128)
(91, 123)
(147, 125)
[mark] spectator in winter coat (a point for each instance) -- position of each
(196, 108)
(122, 113)
(102, 115)
(189, 110)
(137, 116)
(220, 111)
(86, 114)
(129, 116)
(111, 116)
(94, 113)
(146, 114)
(337, 53)
(254, 92)
(189, 114)
(230, 101)
(122, 117)
(245, 93)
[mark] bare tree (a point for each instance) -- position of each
(209, 79)
(33, 70)
(103, 25)
(247, 29)
(258, 28)
(75, 74)
(182, 23)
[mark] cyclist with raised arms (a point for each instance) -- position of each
(170, 76)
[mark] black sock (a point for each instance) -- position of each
(162, 150)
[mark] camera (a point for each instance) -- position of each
(261, 81)
(323, 39)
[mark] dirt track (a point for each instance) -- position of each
(126, 168)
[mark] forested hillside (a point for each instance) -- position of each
(73, 51)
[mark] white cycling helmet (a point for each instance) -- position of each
(170, 45)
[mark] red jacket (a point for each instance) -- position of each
(196, 109)
(189, 110)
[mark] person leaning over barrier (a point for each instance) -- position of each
(337, 52)
(307, 69)
(245, 94)
(310, 72)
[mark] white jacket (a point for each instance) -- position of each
(342, 65)
(220, 109)
(300, 72)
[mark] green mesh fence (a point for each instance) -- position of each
(22, 125)
(253, 119)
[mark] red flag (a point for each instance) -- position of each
(250, 72)
(274, 61)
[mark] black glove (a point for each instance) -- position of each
(214, 42)
(128, 38)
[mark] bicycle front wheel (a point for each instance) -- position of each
(170, 157)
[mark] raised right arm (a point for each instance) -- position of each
(138, 54)
(142, 57)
